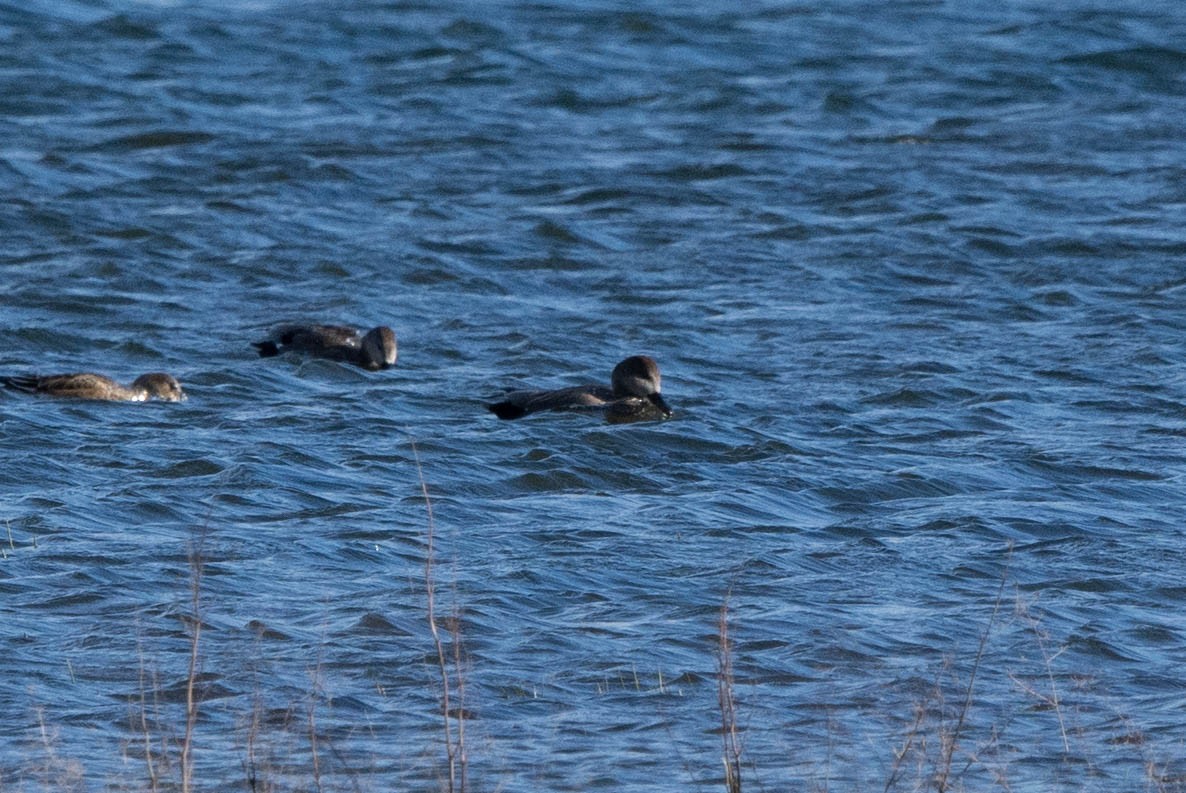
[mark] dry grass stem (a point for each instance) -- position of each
(915, 733)
(47, 744)
(196, 568)
(311, 716)
(1052, 700)
(455, 751)
(145, 730)
(251, 766)
(463, 756)
(951, 739)
(727, 704)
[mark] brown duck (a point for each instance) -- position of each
(86, 385)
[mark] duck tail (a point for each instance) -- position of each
(26, 383)
(267, 349)
(507, 410)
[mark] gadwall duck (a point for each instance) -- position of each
(87, 385)
(374, 350)
(634, 396)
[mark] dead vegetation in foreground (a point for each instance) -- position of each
(945, 746)
(940, 751)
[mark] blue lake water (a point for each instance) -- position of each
(914, 273)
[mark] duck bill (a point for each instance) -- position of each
(657, 400)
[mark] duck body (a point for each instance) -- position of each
(87, 385)
(633, 396)
(376, 349)
(517, 404)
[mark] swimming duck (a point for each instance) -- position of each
(86, 385)
(374, 350)
(633, 396)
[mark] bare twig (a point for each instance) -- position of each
(1052, 700)
(900, 755)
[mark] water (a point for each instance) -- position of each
(913, 272)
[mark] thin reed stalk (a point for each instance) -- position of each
(455, 751)
(251, 767)
(47, 744)
(311, 717)
(951, 740)
(726, 702)
(149, 760)
(463, 756)
(196, 568)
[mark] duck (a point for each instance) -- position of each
(374, 350)
(633, 395)
(88, 385)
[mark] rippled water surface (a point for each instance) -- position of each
(914, 273)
